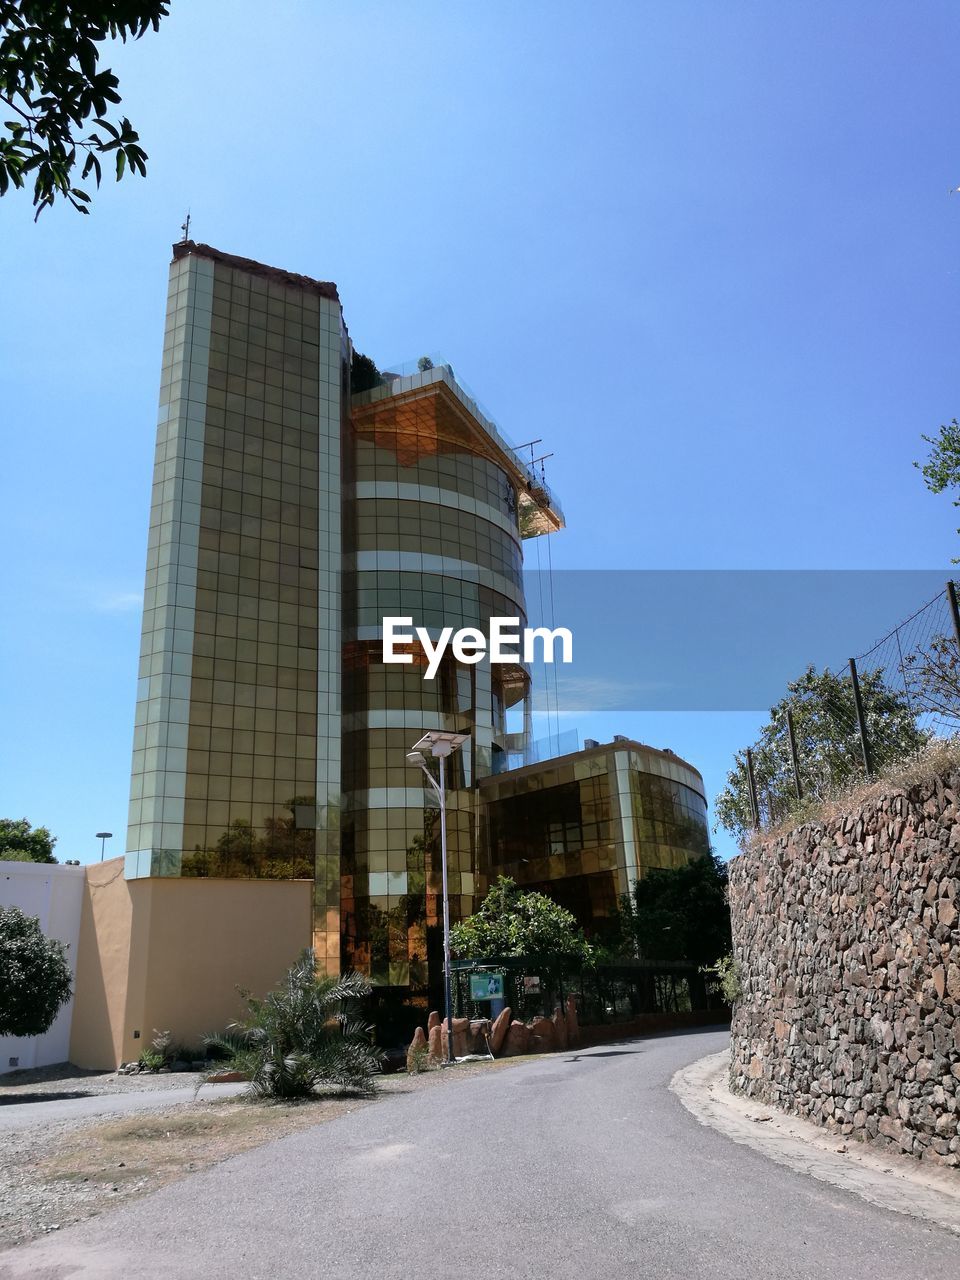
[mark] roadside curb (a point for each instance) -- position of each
(889, 1180)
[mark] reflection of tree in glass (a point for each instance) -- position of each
(389, 942)
(282, 852)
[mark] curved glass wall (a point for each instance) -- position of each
(431, 533)
(584, 828)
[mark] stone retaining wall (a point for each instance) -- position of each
(846, 934)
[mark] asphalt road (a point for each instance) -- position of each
(575, 1166)
(44, 1108)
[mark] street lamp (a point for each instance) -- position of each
(441, 745)
(103, 837)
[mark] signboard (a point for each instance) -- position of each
(531, 986)
(486, 986)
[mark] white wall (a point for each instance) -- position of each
(55, 895)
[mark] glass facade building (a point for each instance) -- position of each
(289, 518)
(238, 707)
(584, 827)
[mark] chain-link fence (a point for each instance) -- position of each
(854, 719)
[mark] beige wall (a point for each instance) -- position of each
(169, 954)
(103, 954)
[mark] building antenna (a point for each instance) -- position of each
(553, 607)
(185, 228)
(534, 460)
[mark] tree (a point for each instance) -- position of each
(364, 374)
(35, 979)
(305, 1034)
(19, 842)
(942, 468)
(50, 83)
(828, 745)
(679, 913)
(935, 679)
(529, 926)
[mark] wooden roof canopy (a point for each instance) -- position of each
(415, 422)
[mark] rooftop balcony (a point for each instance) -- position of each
(434, 396)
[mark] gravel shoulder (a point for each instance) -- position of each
(17, 1086)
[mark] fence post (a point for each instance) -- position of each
(954, 610)
(753, 791)
(861, 719)
(793, 755)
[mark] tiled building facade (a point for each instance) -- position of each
(238, 711)
(290, 516)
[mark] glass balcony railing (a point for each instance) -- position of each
(516, 755)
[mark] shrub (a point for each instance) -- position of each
(35, 979)
(304, 1035)
(512, 923)
(159, 1053)
(726, 973)
(418, 1060)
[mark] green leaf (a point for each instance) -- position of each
(49, 70)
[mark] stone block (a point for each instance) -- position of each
(543, 1037)
(498, 1032)
(418, 1049)
(435, 1043)
(517, 1040)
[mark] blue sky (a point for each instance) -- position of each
(705, 250)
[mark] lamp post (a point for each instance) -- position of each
(441, 745)
(103, 837)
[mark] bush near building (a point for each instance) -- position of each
(305, 1035)
(512, 923)
(35, 978)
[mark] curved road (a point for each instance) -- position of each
(576, 1166)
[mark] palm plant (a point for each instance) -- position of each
(306, 1034)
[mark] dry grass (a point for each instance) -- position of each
(163, 1146)
(52, 1176)
(81, 1170)
(940, 757)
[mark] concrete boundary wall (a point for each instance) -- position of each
(53, 892)
(846, 934)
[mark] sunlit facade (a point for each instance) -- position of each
(295, 506)
(238, 708)
(585, 827)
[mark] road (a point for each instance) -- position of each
(53, 1108)
(570, 1167)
